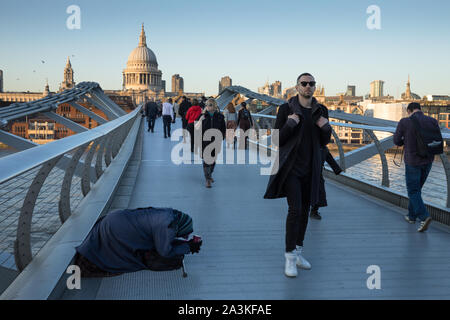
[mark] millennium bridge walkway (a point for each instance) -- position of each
(51, 196)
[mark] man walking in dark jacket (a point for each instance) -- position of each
(182, 110)
(303, 130)
(151, 111)
(416, 168)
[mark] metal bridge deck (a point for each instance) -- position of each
(243, 252)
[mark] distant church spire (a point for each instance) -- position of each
(408, 89)
(68, 77)
(46, 89)
(142, 39)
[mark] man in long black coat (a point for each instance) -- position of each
(303, 129)
(326, 156)
(151, 111)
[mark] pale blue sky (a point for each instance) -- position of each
(251, 41)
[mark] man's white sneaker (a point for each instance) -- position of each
(290, 269)
(301, 261)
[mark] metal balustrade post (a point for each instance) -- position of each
(385, 168)
(86, 179)
(340, 148)
(100, 153)
(108, 144)
(115, 143)
(125, 130)
(22, 245)
(64, 199)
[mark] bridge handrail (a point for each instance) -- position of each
(103, 142)
(46, 272)
(445, 136)
(21, 162)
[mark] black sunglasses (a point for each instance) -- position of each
(305, 83)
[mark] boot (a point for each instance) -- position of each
(290, 270)
(301, 262)
(207, 172)
(315, 214)
(211, 170)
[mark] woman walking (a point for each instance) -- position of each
(191, 116)
(230, 120)
(244, 122)
(211, 119)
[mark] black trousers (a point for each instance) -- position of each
(184, 122)
(151, 123)
(191, 129)
(167, 120)
(298, 191)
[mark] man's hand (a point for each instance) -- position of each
(322, 121)
(295, 117)
(194, 245)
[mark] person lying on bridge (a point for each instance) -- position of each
(136, 239)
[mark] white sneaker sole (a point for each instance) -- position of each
(290, 276)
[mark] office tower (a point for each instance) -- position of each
(276, 89)
(376, 88)
(225, 82)
(177, 83)
(351, 91)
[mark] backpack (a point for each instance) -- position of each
(429, 141)
(245, 114)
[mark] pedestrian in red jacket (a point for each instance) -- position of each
(192, 115)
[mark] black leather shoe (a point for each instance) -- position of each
(315, 215)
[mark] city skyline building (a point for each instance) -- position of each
(68, 81)
(408, 95)
(351, 91)
(177, 83)
(1, 80)
(46, 90)
(376, 89)
(273, 90)
(276, 89)
(141, 73)
(225, 82)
